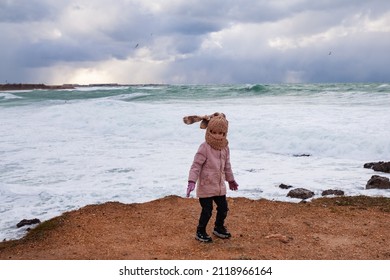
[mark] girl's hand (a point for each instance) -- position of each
(190, 188)
(233, 185)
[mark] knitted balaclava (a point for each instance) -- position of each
(216, 126)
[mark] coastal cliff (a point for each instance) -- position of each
(324, 229)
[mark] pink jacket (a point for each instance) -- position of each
(211, 168)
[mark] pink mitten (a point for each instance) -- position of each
(190, 188)
(233, 185)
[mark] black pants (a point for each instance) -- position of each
(207, 209)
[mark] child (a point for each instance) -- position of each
(210, 169)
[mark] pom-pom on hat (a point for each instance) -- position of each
(216, 126)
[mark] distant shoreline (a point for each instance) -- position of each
(22, 86)
(33, 86)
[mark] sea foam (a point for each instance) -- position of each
(61, 150)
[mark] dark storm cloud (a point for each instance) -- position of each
(221, 41)
(26, 11)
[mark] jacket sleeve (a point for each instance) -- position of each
(228, 168)
(199, 159)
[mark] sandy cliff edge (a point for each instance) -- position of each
(326, 228)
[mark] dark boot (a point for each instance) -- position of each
(221, 232)
(202, 236)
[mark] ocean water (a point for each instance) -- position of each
(61, 150)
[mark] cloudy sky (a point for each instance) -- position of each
(194, 41)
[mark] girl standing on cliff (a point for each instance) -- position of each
(210, 169)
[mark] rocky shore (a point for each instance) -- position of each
(375, 182)
(326, 228)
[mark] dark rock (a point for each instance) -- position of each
(25, 222)
(332, 192)
(252, 170)
(300, 193)
(369, 165)
(379, 166)
(285, 187)
(378, 182)
(302, 155)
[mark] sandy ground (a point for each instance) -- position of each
(324, 229)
